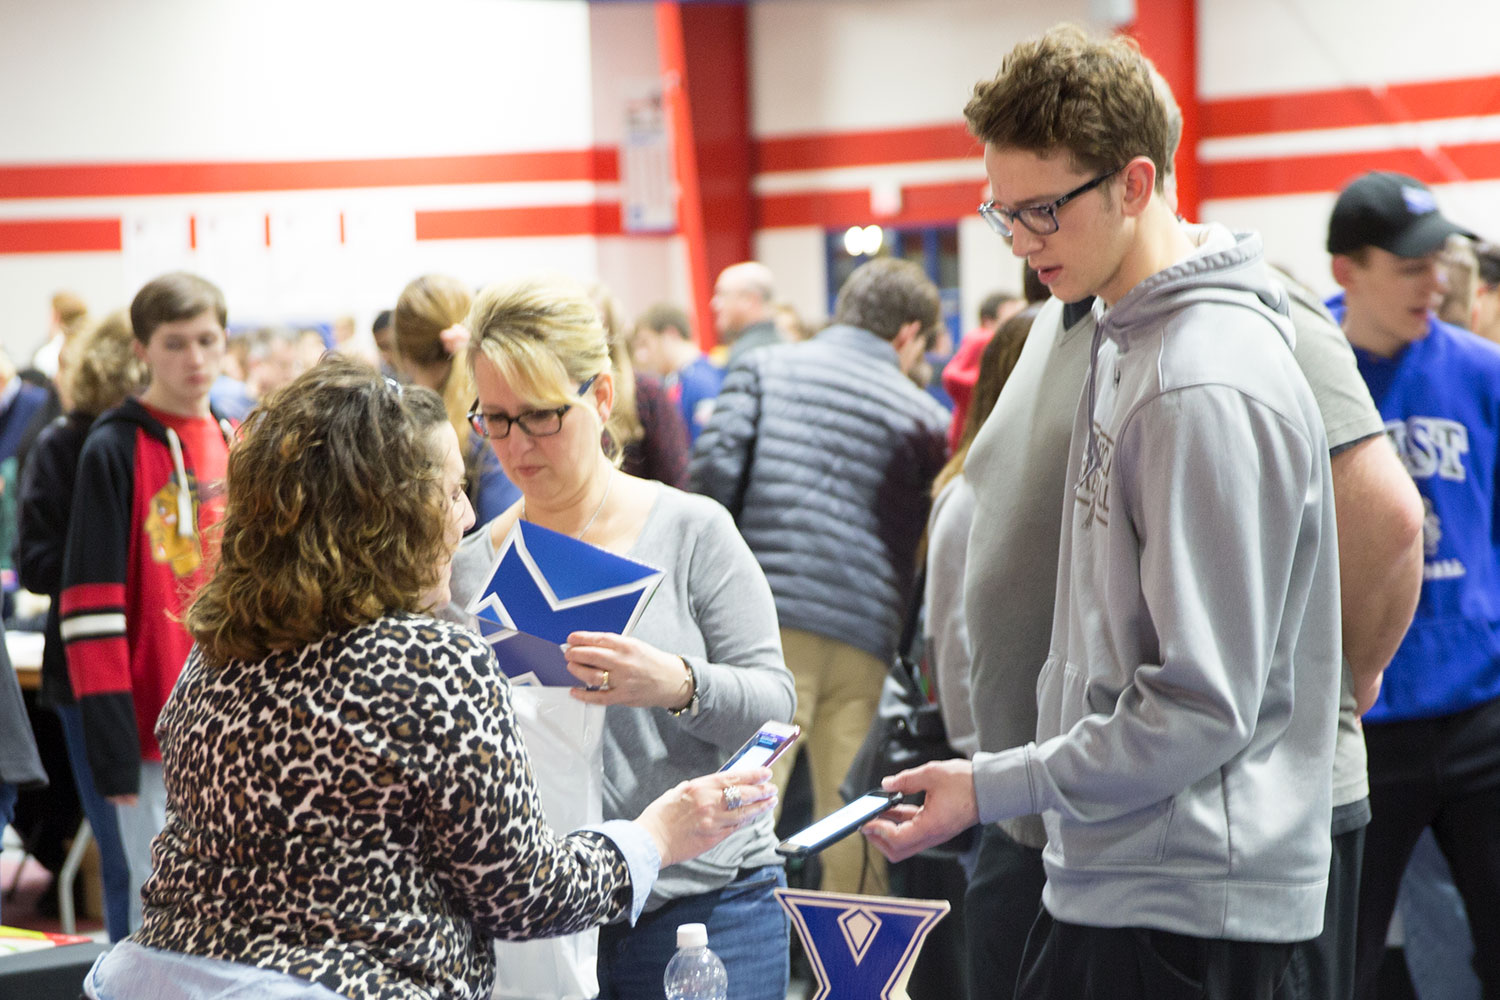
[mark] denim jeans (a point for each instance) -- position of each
(139, 825)
(130, 970)
(121, 912)
(747, 929)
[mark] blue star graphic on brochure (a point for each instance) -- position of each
(545, 586)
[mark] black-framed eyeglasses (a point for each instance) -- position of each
(534, 423)
(1040, 219)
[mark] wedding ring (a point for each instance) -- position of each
(731, 796)
(604, 680)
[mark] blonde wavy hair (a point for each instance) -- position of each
(100, 367)
(428, 306)
(544, 337)
(625, 418)
(335, 514)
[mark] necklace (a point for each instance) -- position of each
(608, 483)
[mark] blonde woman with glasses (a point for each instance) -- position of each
(703, 667)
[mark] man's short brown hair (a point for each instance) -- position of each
(172, 298)
(887, 293)
(1066, 91)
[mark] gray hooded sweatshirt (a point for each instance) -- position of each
(1188, 704)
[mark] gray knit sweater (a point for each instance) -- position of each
(714, 608)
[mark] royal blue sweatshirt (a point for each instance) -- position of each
(1440, 398)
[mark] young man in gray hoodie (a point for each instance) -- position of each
(1187, 707)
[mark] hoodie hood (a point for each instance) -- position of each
(1226, 268)
(132, 411)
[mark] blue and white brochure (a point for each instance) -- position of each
(545, 586)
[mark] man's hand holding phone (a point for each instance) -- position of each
(950, 806)
(838, 824)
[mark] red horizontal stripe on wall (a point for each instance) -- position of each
(59, 235)
(1307, 174)
(820, 151)
(920, 203)
(1352, 106)
(530, 220)
(61, 180)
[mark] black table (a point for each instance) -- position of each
(48, 973)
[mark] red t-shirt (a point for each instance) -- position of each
(206, 454)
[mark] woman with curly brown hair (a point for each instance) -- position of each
(350, 810)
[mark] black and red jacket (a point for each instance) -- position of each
(134, 557)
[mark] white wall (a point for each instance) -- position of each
(797, 257)
(291, 79)
(1291, 45)
(836, 65)
(852, 66)
(1364, 45)
(184, 81)
(214, 81)
(639, 269)
(885, 65)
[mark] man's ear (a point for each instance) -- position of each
(1139, 184)
(909, 344)
(1343, 269)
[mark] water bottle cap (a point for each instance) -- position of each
(692, 936)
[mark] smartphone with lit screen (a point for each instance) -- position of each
(770, 742)
(839, 824)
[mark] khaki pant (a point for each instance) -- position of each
(838, 688)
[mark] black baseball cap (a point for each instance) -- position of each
(1394, 212)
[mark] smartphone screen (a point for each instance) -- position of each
(762, 748)
(839, 823)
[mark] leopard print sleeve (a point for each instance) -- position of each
(490, 843)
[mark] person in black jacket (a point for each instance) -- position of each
(20, 767)
(824, 452)
(102, 371)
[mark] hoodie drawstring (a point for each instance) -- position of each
(1091, 459)
(184, 494)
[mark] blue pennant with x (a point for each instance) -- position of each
(861, 947)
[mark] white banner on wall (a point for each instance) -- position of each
(154, 241)
(648, 196)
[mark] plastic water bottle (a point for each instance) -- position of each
(695, 973)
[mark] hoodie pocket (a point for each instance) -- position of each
(1061, 697)
(1137, 838)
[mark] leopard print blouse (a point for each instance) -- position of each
(361, 813)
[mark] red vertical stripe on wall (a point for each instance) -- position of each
(1167, 31)
(718, 77)
(705, 81)
(672, 52)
